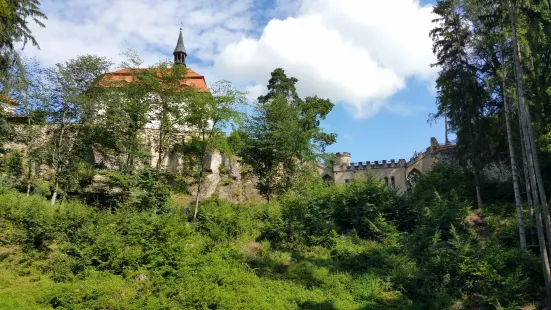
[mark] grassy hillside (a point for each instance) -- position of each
(360, 246)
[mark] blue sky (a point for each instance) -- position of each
(370, 57)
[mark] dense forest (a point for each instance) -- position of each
(457, 238)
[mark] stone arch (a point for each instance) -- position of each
(327, 178)
(414, 171)
(412, 176)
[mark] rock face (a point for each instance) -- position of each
(228, 179)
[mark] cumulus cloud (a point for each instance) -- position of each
(108, 28)
(356, 52)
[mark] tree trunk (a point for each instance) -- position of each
(528, 131)
(477, 186)
(528, 187)
(446, 127)
(160, 148)
(518, 203)
(526, 125)
(198, 190)
(29, 176)
(203, 153)
(539, 178)
(54, 195)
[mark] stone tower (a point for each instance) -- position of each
(180, 53)
(342, 159)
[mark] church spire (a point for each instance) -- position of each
(180, 53)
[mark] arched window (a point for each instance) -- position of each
(393, 181)
(412, 178)
(386, 180)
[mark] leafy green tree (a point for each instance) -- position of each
(283, 134)
(14, 27)
(28, 92)
(148, 109)
(534, 170)
(68, 89)
(168, 106)
(118, 118)
(207, 115)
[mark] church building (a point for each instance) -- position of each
(192, 79)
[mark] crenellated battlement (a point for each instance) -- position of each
(395, 173)
(371, 165)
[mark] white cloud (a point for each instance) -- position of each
(358, 52)
(355, 52)
(255, 91)
(108, 28)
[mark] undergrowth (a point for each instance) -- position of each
(360, 246)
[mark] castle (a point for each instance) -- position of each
(396, 173)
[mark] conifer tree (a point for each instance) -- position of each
(14, 28)
(283, 133)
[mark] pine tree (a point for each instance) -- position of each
(284, 133)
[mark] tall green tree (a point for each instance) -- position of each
(493, 53)
(68, 89)
(208, 114)
(14, 28)
(284, 134)
(462, 96)
(27, 91)
(532, 159)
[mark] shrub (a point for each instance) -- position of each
(31, 218)
(224, 222)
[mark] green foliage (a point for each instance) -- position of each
(144, 190)
(318, 215)
(318, 247)
(224, 222)
(14, 27)
(14, 164)
(283, 133)
(30, 219)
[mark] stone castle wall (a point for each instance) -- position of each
(392, 172)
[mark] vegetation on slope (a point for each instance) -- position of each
(359, 246)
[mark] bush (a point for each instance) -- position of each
(30, 218)
(319, 214)
(224, 222)
(145, 190)
(355, 246)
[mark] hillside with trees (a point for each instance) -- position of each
(93, 215)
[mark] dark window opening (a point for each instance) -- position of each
(328, 179)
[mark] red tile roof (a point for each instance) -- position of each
(5, 98)
(193, 78)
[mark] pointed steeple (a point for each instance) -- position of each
(180, 53)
